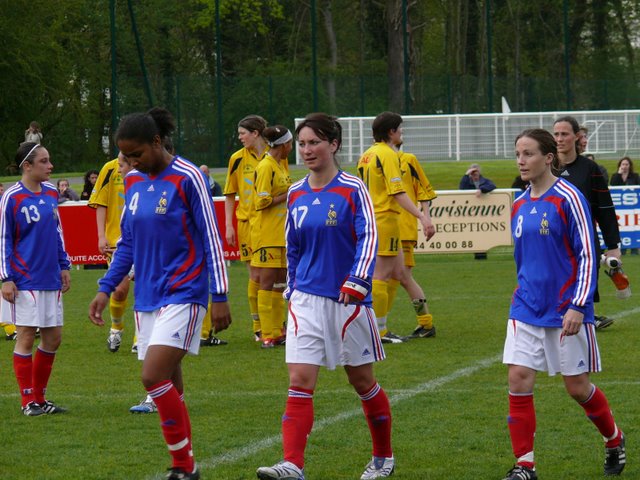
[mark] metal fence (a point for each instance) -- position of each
(612, 134)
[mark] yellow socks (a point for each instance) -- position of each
(206, 323)
(392, 289)
(277, 306)
(252, 294)
(380, 304)
(117, 309)
(265, 311)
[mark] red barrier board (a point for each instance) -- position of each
(81, 235)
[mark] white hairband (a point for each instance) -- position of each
(282, 140)
(27, 155)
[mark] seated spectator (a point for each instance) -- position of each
(65, 192)
(625, 174)
(214, 187)
(90, 179)
(473, 180)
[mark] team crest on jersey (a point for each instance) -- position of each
(161, 208)
(544, 225)
(332, 216)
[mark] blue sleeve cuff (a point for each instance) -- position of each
(218, 298)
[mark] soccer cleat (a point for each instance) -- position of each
(602, 322)
(379, 467)
(11, 336)
(615, 459)
(268, 343)
(32, 409)
(51, 408)
(145, 406)
(281, 340)
(518, 472)
(134, 348)
(393, 338)
(257, 336)
(114, 340)
(280, 471)
(421, 332)
(212, 341)
(180, 474)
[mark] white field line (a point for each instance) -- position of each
(250, 449)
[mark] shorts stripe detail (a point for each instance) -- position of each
(593, 351)
(136, 318)
(295, 320)
(194, 309)
(378, 351)
(373, 391)
(353, 316)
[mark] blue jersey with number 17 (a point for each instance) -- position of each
(331, 234)
(555, 255)
(169, 232)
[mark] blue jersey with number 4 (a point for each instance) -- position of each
(331, 234)
(555, 256)
(31, 238)
(169, 232)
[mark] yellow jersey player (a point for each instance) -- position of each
(420, 191)
(107, 198)
(240, 180)
(379, 168)
(272, 182)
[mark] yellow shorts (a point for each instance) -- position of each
(388, 234)
(269, 257)
(407, 249)
(244, 240)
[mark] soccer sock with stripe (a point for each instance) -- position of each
(187, 419)
(377, 410)
(597, 409)
(206, 324)
(265, 311)
(252, 293)
(392, 290)
(173, 423)
(23, 368)
(42, 366)
(522, 427)
(380, 304)
(116, 310)
(297, 422)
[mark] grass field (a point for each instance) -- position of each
(448, 394)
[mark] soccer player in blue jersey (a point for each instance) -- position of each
(551, 322)
(169, 231)
(331, 250)
(34, 269)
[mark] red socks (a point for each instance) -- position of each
(42, 366)
(378, 412)
(172, 420)
(297, 422)
(23, 368)
(522, 427)
(597, 409)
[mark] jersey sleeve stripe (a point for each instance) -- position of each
(213, 236)
(4, 200)
(369, 246)
(585, 277)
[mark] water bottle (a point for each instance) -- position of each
(617, 275)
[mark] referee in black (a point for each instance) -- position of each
(586, 175)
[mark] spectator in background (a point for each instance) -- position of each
(519, 183)
(625, 174)
(33, 133)
(90, 179)
(473, 180)
(65, 192)
(214, 187)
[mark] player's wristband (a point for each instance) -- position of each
(356, 287)
(218, 297)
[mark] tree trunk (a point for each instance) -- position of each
(332, 44)
(395, 54)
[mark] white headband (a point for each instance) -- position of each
(27, 155)
(282, 140)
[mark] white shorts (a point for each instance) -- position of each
(34, 308)
(323, 332)
(174, 325)
(546, 349)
